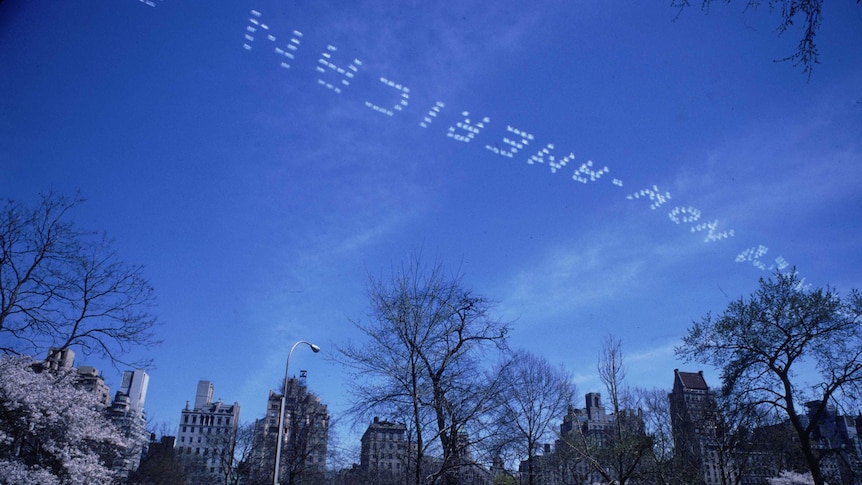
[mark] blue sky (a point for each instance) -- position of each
(259, 200)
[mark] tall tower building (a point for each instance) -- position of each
(306, 433)
(207, 436)
(697, 427)
(127, 412)
(134, 386)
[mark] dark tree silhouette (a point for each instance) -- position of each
(533, 396)
(807, 13)
(61, 287)
(422, 363)
(767, 344)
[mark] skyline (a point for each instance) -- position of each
(260, 200)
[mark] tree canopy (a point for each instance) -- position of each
(786, 347)
(422, 361)
(50, 431)
(534, 395)
(62, 287)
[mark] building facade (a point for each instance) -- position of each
(836, 440)
(127, 413)
(305, 437)
(206, 436)
(91, 380)
(384, 449)
(384, 457)
(595, 446)
(125, 410)
(701, 440)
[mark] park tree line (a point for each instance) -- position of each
(434, 358)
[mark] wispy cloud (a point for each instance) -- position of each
(597, 268)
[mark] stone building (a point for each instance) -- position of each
(383, 452)
(90, 379)
(126, 410)
(699, 430)
(305, 438)
(836, 440)
(591, 438)
(206, 436)
(127, 413)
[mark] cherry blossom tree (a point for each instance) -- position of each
(791, 478)
(51, 432)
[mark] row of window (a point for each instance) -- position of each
(209, 418)
(382, 446)
(384, 456)
(201, 430)
(198, 451)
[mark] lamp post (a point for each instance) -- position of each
(278, 444)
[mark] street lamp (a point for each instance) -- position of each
(315, 349)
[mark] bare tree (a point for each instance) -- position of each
(255, 455)
(808, 13)
(306, 433)
(221, 456)
(766, 346)
(615, 448)
(534, 395)
(61, 287)
(304, 443)
(665, 468)
(243, 450)
(422, 361)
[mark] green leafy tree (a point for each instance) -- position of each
(785, 347)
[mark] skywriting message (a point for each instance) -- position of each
(336, 72)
